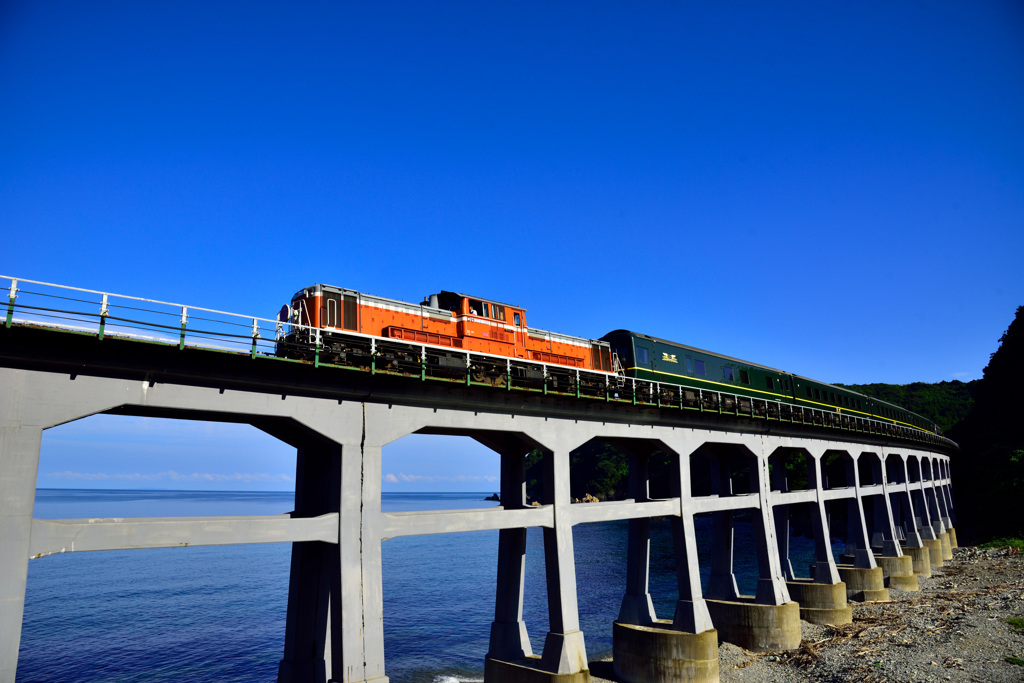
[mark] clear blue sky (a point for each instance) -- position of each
(835, 189)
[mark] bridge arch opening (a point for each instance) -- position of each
(117, 465)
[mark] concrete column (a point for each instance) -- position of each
(315, 572)
(29, 403)
(883, 511)
(781, 519)
(825, 570)
(857, 538)
(722, 582)
(564, 649)
(509, 638)
(691, 614)
(637, 607)
(19, 463)
(771, 585)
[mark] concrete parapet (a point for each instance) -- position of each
(527, 670)
(898, 572)
(658, 654)
(758, 628)
(947, 548)
(821, 603)
(921, 558)
(864, 585)
(934, 552)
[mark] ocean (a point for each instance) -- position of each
(218, 613)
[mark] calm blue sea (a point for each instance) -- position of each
(218, 613)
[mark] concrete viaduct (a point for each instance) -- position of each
(896, 495)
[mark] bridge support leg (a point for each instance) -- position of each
(315, 577)
(29, 403)
(770, 620)
(19, 461)
(564, 658)
(509, 639)
(822, 598)
(637, 607)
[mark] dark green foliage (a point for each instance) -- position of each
(1016, 623)
(1014, 543)
(595, 468)
(947, 403)
(989, 471)
(1015, 660)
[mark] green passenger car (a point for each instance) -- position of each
(659, 360)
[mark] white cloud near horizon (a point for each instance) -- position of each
(171, 475)
(431, 479)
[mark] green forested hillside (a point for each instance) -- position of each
(947, 403)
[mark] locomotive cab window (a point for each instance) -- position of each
(642, 356)
(497, 312)
(475, 307)
(727, 373)
(516, 319)
(699, 367)
(689, 365)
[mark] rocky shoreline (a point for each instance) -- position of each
(955, 629)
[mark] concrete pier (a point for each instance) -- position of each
(821, 603)
(863, 584)
(339, 423)
(921, 558)
(657, 653)
(898, 572)
(757, 627)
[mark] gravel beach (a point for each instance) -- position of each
(954, 629)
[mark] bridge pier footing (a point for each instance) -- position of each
(921, 558)
(821, 603)
(756, 627)
(898, 572)
(947, 547)
(934, 552)
(864, 584)
(657, 653)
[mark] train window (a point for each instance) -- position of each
(809, 393)
(498, 312)
(485, 311)
(817, 394)
(698, 365)
(745, 377)
(769, 383)
(642, 356)
(786, 385)
(475, 306)
(832, 395)
(689, 365)
(727, 373)
(515, 318)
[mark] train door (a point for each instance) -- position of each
(330, 309)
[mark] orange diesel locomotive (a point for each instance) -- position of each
(350, 328)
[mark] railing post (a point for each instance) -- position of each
(10, 301)
(423, 364)
(184, 320)
(103, 316)
(255, 336)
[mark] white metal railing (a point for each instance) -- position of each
(104, 314)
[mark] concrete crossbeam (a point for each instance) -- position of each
(51, 536)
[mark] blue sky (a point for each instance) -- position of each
(835, 189)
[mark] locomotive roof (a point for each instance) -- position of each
(482, 298)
